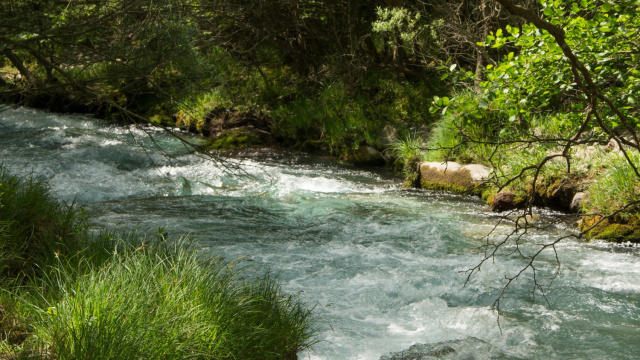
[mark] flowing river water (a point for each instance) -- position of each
(383, 267)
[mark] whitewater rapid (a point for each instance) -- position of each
(383, 267)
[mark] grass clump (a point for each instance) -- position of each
(105, 296)
(33, 226)
(166, 302)
(616, 186)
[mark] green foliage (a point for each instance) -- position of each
(345, 117)
(33, 226)
(100, 52)
(161, 301)
(532, 102)
(539, 77)
(402, 23)
(192, 111)
(408, 152)
(616, 186)
(467, 131)
(108, 297)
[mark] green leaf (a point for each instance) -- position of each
(606, 7)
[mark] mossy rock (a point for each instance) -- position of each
(556, 193)
(451, 177)
(240, 138)
(614, 230)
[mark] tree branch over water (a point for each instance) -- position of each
(600, 114)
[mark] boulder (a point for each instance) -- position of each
(452, 176)
(556, 193)
(233, 129)
(503, 201)
(576, 202)
(221, 119)
(469, 349)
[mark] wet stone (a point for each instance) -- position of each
(463, 349)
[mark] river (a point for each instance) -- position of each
(383, 267)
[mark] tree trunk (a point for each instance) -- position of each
(480, 52)
(18, 64)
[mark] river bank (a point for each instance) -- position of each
(597, 169)
(68, 290)
(383, 266)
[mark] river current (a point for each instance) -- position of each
(383, 267)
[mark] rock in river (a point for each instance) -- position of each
(463, 349)
(452, 176)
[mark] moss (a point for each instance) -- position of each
(457, 181)
(235, 139)
(161, 119)
(432, 185)
(614, 229)
(412, 180)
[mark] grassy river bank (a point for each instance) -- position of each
(67, 292)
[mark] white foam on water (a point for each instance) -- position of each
(384, 267)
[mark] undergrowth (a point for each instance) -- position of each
(472, 130)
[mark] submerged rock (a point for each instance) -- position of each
(452, 176)
(463, 349)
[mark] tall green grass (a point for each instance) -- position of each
(34, 226)
(166, 302)
(616, 186)
(69, 294)
(408, 152)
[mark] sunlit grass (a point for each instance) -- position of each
(66, 293)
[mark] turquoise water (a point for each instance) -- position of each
(383, 267)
